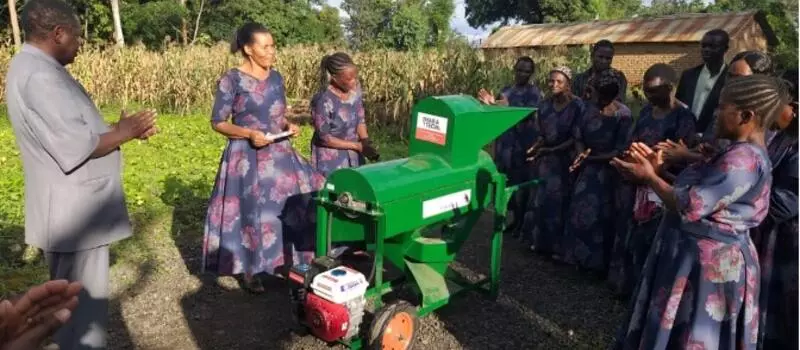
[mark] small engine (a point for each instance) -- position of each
(328, 298)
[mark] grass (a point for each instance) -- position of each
(160, 175)
(158, 303)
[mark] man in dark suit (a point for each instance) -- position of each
(699, 87)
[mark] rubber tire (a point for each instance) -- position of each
(381, 320)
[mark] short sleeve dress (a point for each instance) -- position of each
(335, 117)
(261, 205)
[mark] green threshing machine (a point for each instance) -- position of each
(414, 213)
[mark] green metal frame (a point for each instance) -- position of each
(433, 280)
(389, 216)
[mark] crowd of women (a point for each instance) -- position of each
(697, 227)
(664, 211)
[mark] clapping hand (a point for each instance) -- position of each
(579, 160)
(708, 149)
(534, 150)
(140, 125)
(37, 315)
(486, 97)
(644, 165)
(673, 151)
(655, 157)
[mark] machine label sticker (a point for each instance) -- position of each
(431, 128)
(330, 278)
(446, 203)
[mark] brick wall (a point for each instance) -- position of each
(633, 59)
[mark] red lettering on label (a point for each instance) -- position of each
(430, 136)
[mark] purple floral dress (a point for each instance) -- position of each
(544, 217)
(334, 117)
(777, 242)
(589, 230)
(699, 287)
(634, 236)
(260, 208)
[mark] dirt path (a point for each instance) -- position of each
(542, 306)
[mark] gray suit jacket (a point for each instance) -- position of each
(72, 202)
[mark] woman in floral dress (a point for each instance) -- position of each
(700, 284)
(340, 132)
(603, 128)
(777, 239)
(638, 215)
(544, 219)
(510, 147)
(259, 209)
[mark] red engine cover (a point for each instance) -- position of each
(328, 321)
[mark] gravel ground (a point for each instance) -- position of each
(542, 305)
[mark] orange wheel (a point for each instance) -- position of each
(394, 327)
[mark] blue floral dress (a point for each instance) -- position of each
(260, 206)
(634, 233)
(777, 242)
(699, 287)
(510, 147)
(334, 117)
(589, 231)
(544, 217)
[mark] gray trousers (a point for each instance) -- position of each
(87, 328)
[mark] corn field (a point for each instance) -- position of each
(182, 79)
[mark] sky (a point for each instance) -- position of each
(459, 22)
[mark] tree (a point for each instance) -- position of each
(119, 40)
(96, 19)
(486, 12)
(439, 13)
(398, 23)
(152, 22)
(781, 15)
(291, 22)
(331, 24)
(197, 21)
(12, 17)
(366, 19)
(408, 29)
(671, 7)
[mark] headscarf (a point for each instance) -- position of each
(563, 70)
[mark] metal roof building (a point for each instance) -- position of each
(642, 42)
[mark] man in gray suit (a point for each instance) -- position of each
(74, 202)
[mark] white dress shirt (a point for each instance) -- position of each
(705, 83)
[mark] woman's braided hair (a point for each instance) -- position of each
(766, 96)
(759, 62)
(332, 65)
